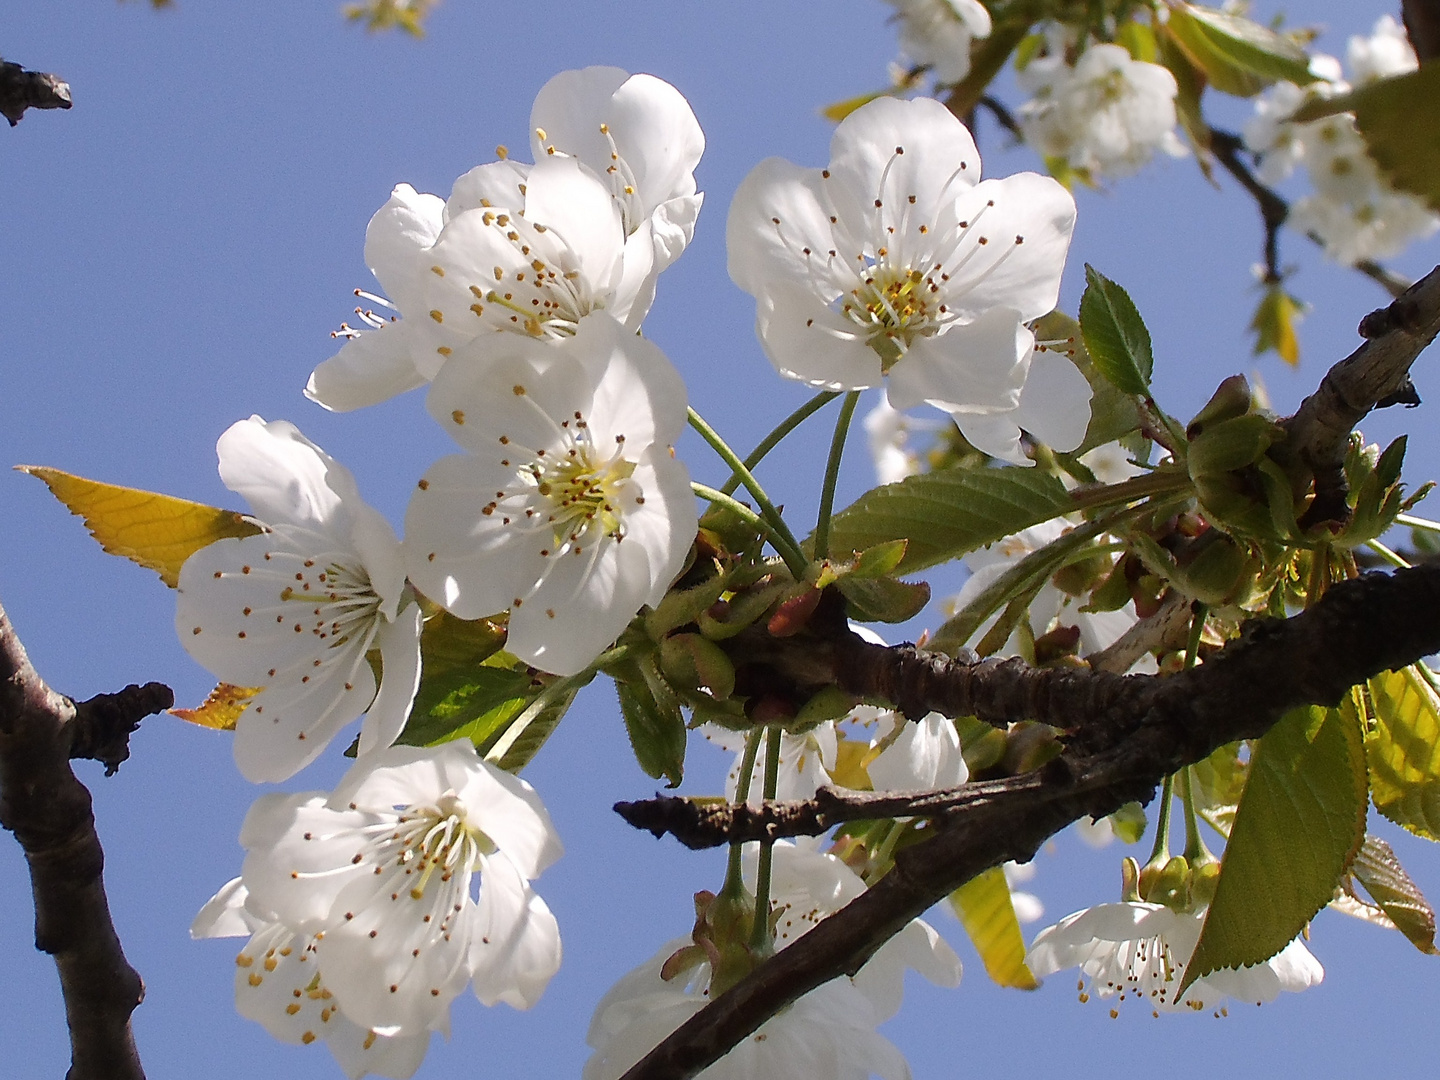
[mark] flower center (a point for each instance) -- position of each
(893, 305)
(583, 493)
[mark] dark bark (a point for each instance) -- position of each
(21, 90)
(49, 812)
(1422, 23)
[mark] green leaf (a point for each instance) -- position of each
(1190, 85)
(657, 734)
(1114, 334)
(1403, 750)
(1238, 56)
(1380, 872)
(1216, 784)
(1300, 822)
(1274, 324)
(1113, 414)
(157, 531)
(523, 737)
(945, 514)
(984, 908)
(883, 599)
(473, 704)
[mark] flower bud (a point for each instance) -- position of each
(1232, 398)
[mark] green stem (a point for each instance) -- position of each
(1161, 851)
(832, 474)
(734, 886)
(1195, 849)
(760, 941)
(1417, 522)
(736, 507)
(1394, 558)
(781, 537)
(1159, 482)
(1198, 611)
(789, 424)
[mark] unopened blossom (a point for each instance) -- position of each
(828, 1034)
(1139, 950)
(528, 249)
(936, 34)
(382, 873)
(918, 755)
(278, 985)
(898, 264)
(568, 507)
(639, 134)
(296, 609)
(1106, 115)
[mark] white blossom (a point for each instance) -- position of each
(568, 507)
(897, 263)
(828, 1034)
(936, 34)
(920, 755)
(278, 985)
(1140, 950)
(1385, 53)
(806, 761)
(381, 874)
(295, 609)
(1106, 115)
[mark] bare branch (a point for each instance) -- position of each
(21, 90)
(1140, 729)
(1319, 432)
(49, 812)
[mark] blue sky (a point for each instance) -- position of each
(176, 250)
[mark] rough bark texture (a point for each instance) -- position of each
(21, 90)
(48, 810)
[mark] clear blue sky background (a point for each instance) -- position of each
(173, 255)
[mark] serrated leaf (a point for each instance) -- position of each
(1114, 334)
(1113, 414)
(523, 737)
(946, 514)
(984, 908)
(157, 531)
(474, 704)
(221, 709)
(1189, 87)
(1300, 822)
(1380, 872)
(1274, 325)
(657, 735)
(884, 600)
(1237, 55)
(1403, 751)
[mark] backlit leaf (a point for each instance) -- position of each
(1238, 56)
(1300, 823)
(1115, 336)
(222, 708)
(1380, 872)
(984, 908)
(1274, 324)
(945, 514)
(157, 531)
(1403, 750)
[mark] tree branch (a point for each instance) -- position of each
(1127, 737)
(49, 812)
(1319, 432)
(21, 90)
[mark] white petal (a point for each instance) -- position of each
(807, 340)
(400, 679)
(284, 476)
(499, 184)
(515, 946)
(368, 369)
(638, 392)
(396, 240)
(360, 1052)
(300, 854)
(977, 367)
(775, 216)
(224, 914)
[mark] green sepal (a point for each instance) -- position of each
(657, 731)
(681, 607)
(692, 661)
(1115, 336)
(1300, 822)
(830, 703)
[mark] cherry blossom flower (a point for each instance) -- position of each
(529, 249)
(920, 755)
(828, 1034)
(1106, 115)
(640, 135)
(296, 608)
(278, 985)
(381, 872)
(806, 760)
(1136, 949)
(936, 34)
(899, 264)
(568, 507)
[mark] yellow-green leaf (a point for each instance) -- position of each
(1300, 823)
(839, 110)
(1403, 750)
(984, 908)
(1380, 872)
(1274, 324)
(1237, 55)
(157, 531)
(221, 709)
(1216, 784)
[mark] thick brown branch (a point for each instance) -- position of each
(1138, 730)
(1319, 432)
(21, 90)
(1422, 23)
(48, 810)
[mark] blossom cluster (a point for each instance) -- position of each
(1353, 209)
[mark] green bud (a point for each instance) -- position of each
(1231, 445)
(692, 661)
(683, 606)
(1028, 745)
(1218, 572)
(1231, 399)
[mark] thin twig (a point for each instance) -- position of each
(21, 90)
